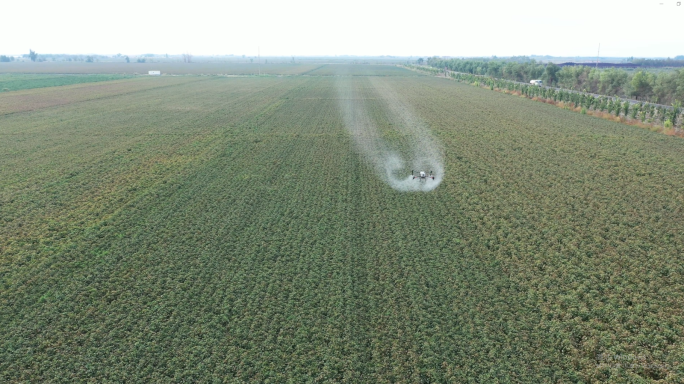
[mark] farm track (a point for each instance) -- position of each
(229, 230)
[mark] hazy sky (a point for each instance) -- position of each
(300, 27)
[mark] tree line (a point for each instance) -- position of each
(670, 118)
(662, 88)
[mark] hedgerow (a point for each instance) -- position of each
(655, 115)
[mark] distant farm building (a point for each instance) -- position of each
(154, 73)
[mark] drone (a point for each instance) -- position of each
(422, 176)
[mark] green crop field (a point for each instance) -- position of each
(15, 82)
(237, 229)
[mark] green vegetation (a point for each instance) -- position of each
(14, 82)
(678, 61)
(663, 87)
(657, 114)
(160, 234)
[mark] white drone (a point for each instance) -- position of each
(422, 176)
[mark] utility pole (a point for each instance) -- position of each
(259, 59)
(597, 55)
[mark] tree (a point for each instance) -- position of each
(612, 81)
(625, 107)
(89, 59)
(642, 84)
(5, 59)
(187, 58)
(676, 107)
(128, 59)
(551, 72)
(420, 61)
(141, 60)
(494, 69)
(618, 107)
(33, 55)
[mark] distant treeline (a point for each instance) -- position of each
(600, 65)
(659, 63)
(39, 57)
(64, 57)
(662, 88)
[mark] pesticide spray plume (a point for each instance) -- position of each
(391, 163)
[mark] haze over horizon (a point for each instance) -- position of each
(640, 28)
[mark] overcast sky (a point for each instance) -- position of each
(641, 28)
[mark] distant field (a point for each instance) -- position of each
(196, 229)
(14, 82)
(360, 70)
(33, 99)
(166, 68)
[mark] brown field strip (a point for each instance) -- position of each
(33, 99)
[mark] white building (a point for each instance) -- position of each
(154, 73)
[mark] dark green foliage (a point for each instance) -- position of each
(674, 112)
(642, 84)
(551, 72)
